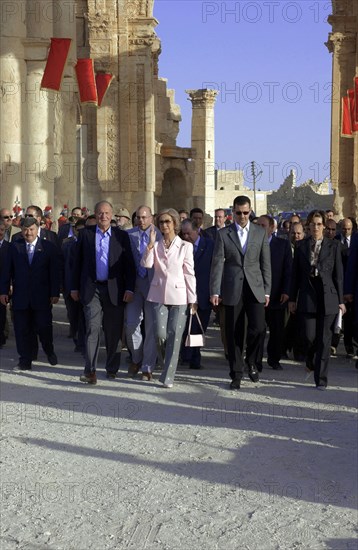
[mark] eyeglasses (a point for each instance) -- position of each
(245, 213)
(165, 221)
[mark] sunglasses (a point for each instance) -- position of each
(246, 213)
(30, 216)
(7, 217)
(165, 221)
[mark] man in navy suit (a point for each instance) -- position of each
(4, 247)
(203, 253)
(34, 211)
(219, 223)
(143, 349)
(104, 277)
(351, 283)
(241, 279)
(281, 265)
(32, 267)
(67, 229)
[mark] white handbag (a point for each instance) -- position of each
(195, 340)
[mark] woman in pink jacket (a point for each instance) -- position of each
(173, 287)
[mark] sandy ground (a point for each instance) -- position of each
(128, 464)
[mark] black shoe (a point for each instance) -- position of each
(111, 375)
(275, 365)
(235, 384)
(253, 374)
(21, 367)
(197, 367)
(52, 359)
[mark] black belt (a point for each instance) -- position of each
(101, 282)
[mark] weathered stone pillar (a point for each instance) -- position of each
(203, 141)
(12, 79)
(343, 44)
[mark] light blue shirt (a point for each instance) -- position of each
(102, 253)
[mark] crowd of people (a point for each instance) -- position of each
(144, 279)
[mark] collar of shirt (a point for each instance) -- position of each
(107, 232)
(34, 243)
(146, 231)
(196, 244)
(246, 228)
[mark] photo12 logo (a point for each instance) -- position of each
(267, 12)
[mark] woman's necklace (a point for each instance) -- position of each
(167, 244)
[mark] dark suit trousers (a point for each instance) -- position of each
(318, 329)
(234, 328)
(100, 310)
(275, 319)
(27, 323)
(2, 324)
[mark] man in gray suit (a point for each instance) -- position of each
(143, 350)
(241, 278)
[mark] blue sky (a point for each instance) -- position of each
(269, 62)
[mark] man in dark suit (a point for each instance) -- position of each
(143, 348)
(104, 277)
(34, 211)
(67, 229)
(219, 222)
(4, 247)
(317, 293)
(345, 238)
(281, 264)
(351, 283)
(203, 253)
(32, 267)
(241, 279)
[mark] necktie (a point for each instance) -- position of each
(142, 271)
(243, 239)
(30, 252)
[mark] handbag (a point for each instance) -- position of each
(195, 340)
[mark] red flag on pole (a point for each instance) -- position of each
(86, 81)
(55, 65)
(103, 81)
(352, 109)
(346, 130)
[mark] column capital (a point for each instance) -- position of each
(202, 98)
(341, 43)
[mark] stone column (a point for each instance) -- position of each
(203, 141)
(12, 79)
(343, 150)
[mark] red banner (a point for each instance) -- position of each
(55, 65)
(103, 81)
(346, 130)
(86, 81)
(352, 110)
(356, 98)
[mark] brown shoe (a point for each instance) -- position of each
(89, 378)
(133, 369)
(147, 376)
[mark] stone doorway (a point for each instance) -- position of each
(174, 190)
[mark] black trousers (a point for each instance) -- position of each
(28, 323)
(318, 333)
(235, 328)
(100, 311)
(2, 324)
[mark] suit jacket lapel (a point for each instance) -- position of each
(232, 234)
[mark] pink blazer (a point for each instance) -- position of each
(174, 280)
